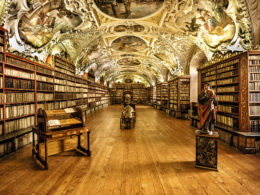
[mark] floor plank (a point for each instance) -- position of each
(156, 157)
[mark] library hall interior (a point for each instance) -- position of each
(147, 97)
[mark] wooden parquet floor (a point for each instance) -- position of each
(156, 157)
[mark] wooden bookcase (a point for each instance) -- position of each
(179, 96)
(151, 95)
(162, 95)
(236, 81)
(117, 92)
(26, 86)
(139, 93)
(138, 90)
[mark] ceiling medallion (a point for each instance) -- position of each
(129, 9)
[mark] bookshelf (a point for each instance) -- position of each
(117, 92)
(179, 96)
(139, 93)
(150, 91)
(162, 95)
(26, 86)
(236, 81)
(138, 90)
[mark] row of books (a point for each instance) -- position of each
(207, 74)
(254, 110)
(227, 89)
(60, 81)
(65, 76)
(254, 62)
(184, 101)
(64, 71)
(23, 123)
(255, 125)
(2, 50)
(227, 74)
(228, 98)
(228, 81)
(254, 68)
(64, 65)
(20, 63)
(254, 76)
(138, 86)
(1, 113)
(5, 148)
(20, 110)
(173, 106)
(21, 74)
(254, 97)
(44, 96)
(19, 97)
(209, 78)
(44, 78)
(67, 96)
(23, 140)
(226, 69)
(1, 39)
(254, 86)
(226, 120)
(254, 57)
(228, 109)
(44, 70)
(2, 56)
(45, 86)
(19, 84)
(64, 88)
(232, 62)
(212, 69)
(185, 97)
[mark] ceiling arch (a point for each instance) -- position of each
(96, 35)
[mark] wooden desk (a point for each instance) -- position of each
(58, 131)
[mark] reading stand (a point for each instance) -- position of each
(58, 131)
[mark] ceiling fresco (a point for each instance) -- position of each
(129, 9)
(129, 44)
(128, 62)
(148, 39)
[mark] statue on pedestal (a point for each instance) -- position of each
(207, 109)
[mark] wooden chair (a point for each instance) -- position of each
(58, 131)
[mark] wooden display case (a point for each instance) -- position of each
(236, 81)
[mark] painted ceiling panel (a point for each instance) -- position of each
(126, 38)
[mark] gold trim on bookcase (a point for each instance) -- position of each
(217, 57)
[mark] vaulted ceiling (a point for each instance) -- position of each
(144, 40)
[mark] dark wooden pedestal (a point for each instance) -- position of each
(207, 150)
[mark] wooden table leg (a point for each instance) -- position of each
(46, 155)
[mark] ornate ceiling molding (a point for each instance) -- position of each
(96, 37)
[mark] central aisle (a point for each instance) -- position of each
(156, 157)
